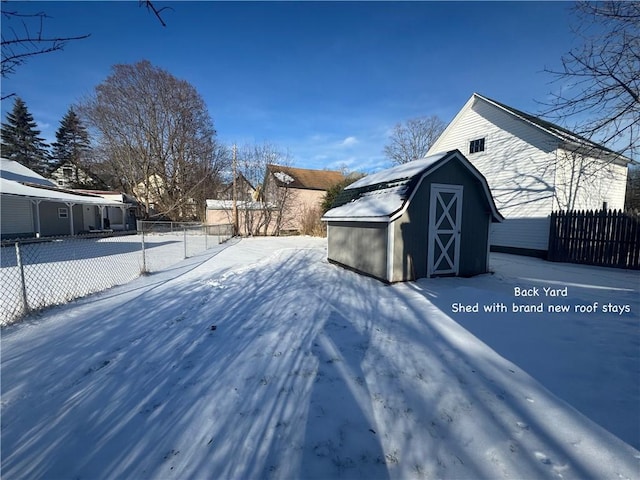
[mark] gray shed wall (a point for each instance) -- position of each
(411, 229)
(360, 246)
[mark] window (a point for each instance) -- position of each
(476, 146)
(67, 172)
(63, 213)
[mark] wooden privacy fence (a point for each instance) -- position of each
(604, 238)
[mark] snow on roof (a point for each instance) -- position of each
(376, 205)
(305, 178)
(228, 205)
(283, 177)
(380, 196)
(12, 170)
(10, 187)
(404, 171)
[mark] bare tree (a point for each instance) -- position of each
(269, 210)
(413, 139)
(600, 80)
(23, 37)
(582, 177)
(157, 138)
(153, 9)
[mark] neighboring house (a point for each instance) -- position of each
(254, 217)
(119, 218)
(152, 196)
(32, 206)
(245, 192)
(533, 167)
(67, 174)
(424, 218)
(296, 193)
(252, 214)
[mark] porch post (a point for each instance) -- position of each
(70, 205)
(37, 204)
(101, 207)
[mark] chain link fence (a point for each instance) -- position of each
(37, 273)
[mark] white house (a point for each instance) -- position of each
(67, 174)
(533, 167)
(31, 205)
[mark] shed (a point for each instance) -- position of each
(425, 218)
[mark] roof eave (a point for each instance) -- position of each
(361, 219)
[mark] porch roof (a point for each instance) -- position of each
(35, 191)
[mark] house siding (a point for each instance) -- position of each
(51, 225)
(529, 233)
(17, 217)
(600, 182)
(359, 245)
(300, 203)
(518, 161)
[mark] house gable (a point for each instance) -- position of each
(68, 174)
(525, 160)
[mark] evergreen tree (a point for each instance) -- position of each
(21, 141)
(72, 140)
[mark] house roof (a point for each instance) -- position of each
(18, 180)
(14, 171)
(304, 178)
(562, 134)
(227, 205)
(384, 196)
(42, 192)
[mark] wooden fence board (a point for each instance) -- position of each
(604, 238)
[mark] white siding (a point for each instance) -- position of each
(518, 161)
(527, 233)
(585, 183)
(16, 214)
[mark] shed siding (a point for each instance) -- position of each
(518, 161)
(411, 229)
(16, 215)
(361, 246)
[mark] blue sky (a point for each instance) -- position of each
(325, 81)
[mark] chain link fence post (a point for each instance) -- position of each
(23, 285)
(184, 229)
(144, 258)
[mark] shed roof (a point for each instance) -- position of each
(305, 178)
(383, 196)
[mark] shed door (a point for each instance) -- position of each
(445, 221)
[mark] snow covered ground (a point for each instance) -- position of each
(316, 372)
(63, 269)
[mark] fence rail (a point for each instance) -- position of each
(603, 238)
(37, 273)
